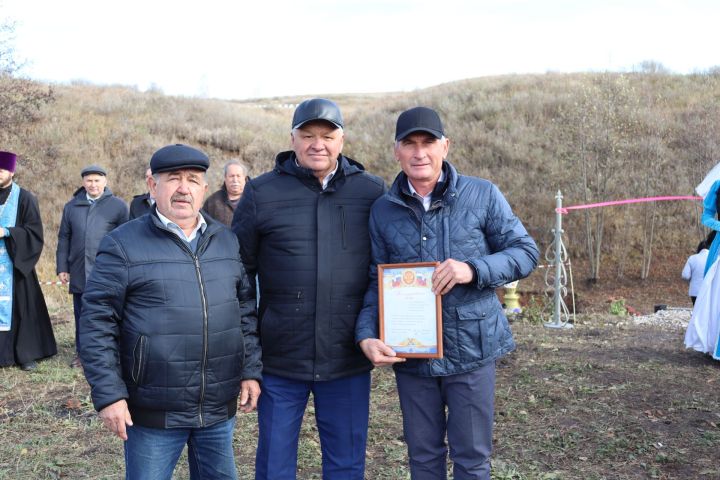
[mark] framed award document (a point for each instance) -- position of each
(410, 313)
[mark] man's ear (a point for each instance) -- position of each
(152, 186)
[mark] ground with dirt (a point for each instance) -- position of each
(615, 397)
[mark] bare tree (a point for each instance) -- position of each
(598, 129)
(21, 100)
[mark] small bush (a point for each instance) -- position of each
(534, 311)
(617, 307)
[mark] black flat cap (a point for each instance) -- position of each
(317, 109)
(90, 169)
(419, 119)
(177, 157)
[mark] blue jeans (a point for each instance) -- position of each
(341, 413)
(152, 453)
(468, 422)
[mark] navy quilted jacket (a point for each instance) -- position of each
(171, 330)
(469, 221)
(310, 250)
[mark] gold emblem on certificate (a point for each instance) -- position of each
(410, 313)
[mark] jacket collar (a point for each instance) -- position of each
(444, 193)
(212, 224)
(286, 163)
(80, 196)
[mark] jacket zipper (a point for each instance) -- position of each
(205, 337)
(342, 219)
(196, 261)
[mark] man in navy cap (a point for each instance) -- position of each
(434, 214)
(87, 217)
(304, 236)
(26, 334)
(169, 331)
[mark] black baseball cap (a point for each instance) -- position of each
(177, 157)
(317, 109)
(419, 119)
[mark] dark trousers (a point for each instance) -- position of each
(341, 413)
(693, 300)
(77, 309)
(459, 406)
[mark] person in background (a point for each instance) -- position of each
(303, 231)
(221, 205)
(26, 334)
(169, 331)
(703, 331)
(141, 204)
(694, 270)
(433, 213)
(86, 219)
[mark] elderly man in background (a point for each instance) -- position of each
(86, 219)
(169, 331)
(433, 213)
(303, 231)
(26, 334)
(141, 204)
(221, 205)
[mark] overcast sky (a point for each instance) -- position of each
(236, 50)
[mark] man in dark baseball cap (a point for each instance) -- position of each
(317, 109)
(432, 213)
(419, 119)
(303, 233)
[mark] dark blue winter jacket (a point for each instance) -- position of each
(170, 329)
(310, 249)
(469, 220)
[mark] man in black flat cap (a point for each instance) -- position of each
(26, 334)
(303, 231)
(92, 213)
(169, 331)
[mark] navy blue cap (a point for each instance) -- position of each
(177, 157)
(90, 169)
(419, 119)
(317, 109)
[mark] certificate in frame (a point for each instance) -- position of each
(410, 313)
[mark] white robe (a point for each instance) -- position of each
(703, 331)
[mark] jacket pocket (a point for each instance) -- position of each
(140, 353)
(477, 323)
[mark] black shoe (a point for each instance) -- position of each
(76, 363)
(29, 366)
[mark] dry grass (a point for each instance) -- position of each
(513, 130)
(604, 400)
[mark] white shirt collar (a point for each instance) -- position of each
(328, 177)
(426, 199)
(175, 228)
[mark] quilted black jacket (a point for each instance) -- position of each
(310, 250)
(172, 331)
